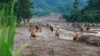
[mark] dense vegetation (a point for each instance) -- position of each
(45, 7)
(91, 13)
(7, 28)
(23, 10)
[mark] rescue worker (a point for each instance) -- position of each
(57, 33)
(75, 36)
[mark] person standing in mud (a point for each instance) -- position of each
(75, 36)
(57, 33)
(88, 28)
(37, 28)
(81, 28)
(51, 28)
(33, 33)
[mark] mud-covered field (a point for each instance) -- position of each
(46, 44)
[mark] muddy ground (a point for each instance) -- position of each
(46, 44)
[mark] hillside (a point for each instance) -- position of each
(45, 7)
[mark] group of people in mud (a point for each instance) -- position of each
(82, 27)
(39, 28)
(34, 30)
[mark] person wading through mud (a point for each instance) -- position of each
(37, 28)
(57, 32)
(51, 28)
(33, 33)
(75, 36)
(88, 28)
(81, 28)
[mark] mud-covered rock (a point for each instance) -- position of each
(92, 40)
(95, 42)
(83, 38)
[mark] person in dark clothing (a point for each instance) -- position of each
(51, 28)
(88, 28)
(37, 28)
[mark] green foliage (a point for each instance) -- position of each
(17, 52)
(93, 8)
(65, 16)
(91, 13)
(75, 16)
(7, 29)
(23, 9)
(5, 1)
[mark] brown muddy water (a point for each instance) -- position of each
(46, 44)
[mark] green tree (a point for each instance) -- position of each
(66, 16)
(23, 10)
(5, 7)
(75, 16)
(93, 8)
